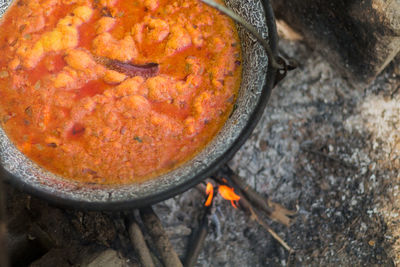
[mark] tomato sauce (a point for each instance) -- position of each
(75, 115)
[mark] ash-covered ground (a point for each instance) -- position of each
(324, 147)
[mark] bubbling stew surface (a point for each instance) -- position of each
(115, 91)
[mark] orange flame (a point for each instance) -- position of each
(210, 193)
(227, 193)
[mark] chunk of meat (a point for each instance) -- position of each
(172, 8)
(64, 79)
(52, 41)
(178, 40)
(70, 21)
(79, 59)
(200, 103)
(136, 105)
(191, 126)
(194, 65)
(79, 15)
(83, 12)
(151, 4)
(106, 45)
(158, 29)
(33, 24)
(216, 44)
(128, 87)
(165, 123)
(203, 112)
(161, 88)
(193, 81)
(31, 56)
(104, 24)
(205, 19)
(64, 36)
(70, 37)
(14, 63)
(112, 76)
(195, 34)
(151, 30)
(138, 32)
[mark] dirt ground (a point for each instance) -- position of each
(325, 147)
(330, 149)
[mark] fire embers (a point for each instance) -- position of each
(210, 194)
(225, 192)
(228, 193)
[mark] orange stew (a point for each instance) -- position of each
(115, 91)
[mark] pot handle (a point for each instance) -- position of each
(286, 65)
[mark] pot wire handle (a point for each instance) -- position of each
(288, 65)
(279, 63)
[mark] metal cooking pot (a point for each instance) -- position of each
(257, 82)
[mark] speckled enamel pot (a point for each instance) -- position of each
(257, 83)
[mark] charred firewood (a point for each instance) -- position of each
(197, 244)
(160, 238)
(199, 236)
(139, 244)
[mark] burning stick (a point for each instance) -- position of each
(201, 233)
(273, 210)
(160, 238)
(139, 244)
(247, 206)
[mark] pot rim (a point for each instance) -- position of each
(160, 196)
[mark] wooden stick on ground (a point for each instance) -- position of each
(395, 91)
(244, 203)
(324, 155)
(160, 238)
(273, 210)
(3, 228)
(139, 244)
